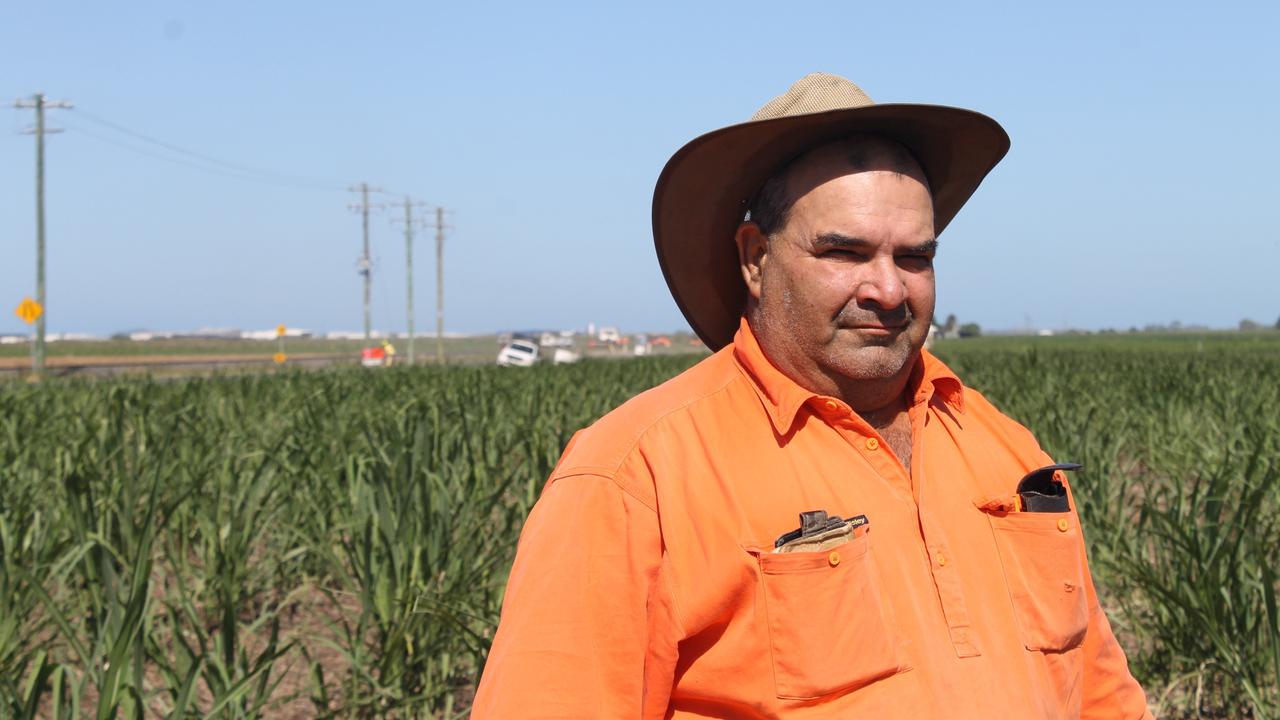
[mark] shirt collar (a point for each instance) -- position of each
(782, 397)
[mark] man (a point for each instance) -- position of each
(819, 520)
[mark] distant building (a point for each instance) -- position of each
(271, 334)
(209, 333)
(352, 335)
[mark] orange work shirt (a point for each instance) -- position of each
(644, 585)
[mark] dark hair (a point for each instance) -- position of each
(772, 203)
(770, 207)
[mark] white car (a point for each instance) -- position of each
(518, 353)
(563, 356)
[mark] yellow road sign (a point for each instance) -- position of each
(280, 330)
(279, 358)
(29, 310)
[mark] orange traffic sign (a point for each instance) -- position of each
(279, 358)
(29, 310)
(280, 330)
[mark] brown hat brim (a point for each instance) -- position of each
(702, 194)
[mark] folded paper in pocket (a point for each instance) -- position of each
(819, 531)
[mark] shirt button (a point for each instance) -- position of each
(1063, 525)
(831, 406)
(942, 560)
(834, 558)
(873, 444)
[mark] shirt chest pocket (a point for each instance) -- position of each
(828, 627)
(1043, 562)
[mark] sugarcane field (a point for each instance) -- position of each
(334, 543)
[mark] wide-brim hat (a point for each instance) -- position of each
(703, 192)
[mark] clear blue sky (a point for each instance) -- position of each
(1141, 186)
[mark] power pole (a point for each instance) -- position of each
(440, 285)
(39, 103)
(364, 264)
(408, 261)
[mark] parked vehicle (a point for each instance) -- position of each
(563, 356)
(518, 353)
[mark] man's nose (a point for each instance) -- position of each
(882, 284)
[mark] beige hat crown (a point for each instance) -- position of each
(814, 93)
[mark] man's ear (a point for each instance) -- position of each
(753, 252)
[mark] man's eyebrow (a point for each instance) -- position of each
(839, 240)
(928, 247)
(832, 240)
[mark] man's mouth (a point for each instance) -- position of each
(875, 328)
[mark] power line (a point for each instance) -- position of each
(266, 175)
(206, 163)
(78, 130)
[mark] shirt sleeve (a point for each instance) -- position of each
(588, 627)
(1110, 691)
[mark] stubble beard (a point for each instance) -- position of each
(874, 359)
(866, 357)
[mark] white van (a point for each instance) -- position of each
(518, 353)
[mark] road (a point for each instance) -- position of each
(167, 364)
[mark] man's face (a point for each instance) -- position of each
(844, 290)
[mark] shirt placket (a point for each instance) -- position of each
(943, 563)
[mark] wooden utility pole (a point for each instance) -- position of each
(408, 262)
(440, 285)
(408, 270)
(364, 264)
(39, 103)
